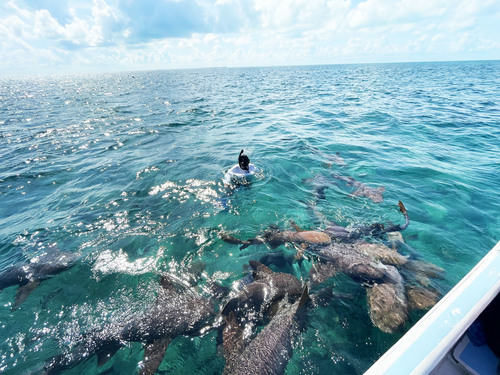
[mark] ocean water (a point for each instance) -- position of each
(125, 171)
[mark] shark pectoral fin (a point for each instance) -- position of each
(320, 192)
(295, 226)
(299, 254)
(320, 272)
(105, 354)
(167, 285)
(24, 291)
(153, 355)
(259, 268)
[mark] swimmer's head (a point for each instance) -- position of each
(243, 161)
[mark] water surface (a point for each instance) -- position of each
(126, 170)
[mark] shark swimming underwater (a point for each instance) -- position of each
(269, 352)
(377, 267)
(321, 183)
(375, 194)
(373, 265)
(178, 310)
(28, 275)
(380, 270)
(275, 237)
(267, 288)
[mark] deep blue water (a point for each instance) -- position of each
(125, 169)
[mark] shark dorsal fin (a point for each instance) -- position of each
(230, 306)
(304, 297)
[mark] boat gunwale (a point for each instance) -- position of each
(429, 340)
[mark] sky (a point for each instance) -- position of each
(72, 36)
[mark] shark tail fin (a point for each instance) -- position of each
(402, 207)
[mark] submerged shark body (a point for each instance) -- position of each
(174, 313)
(29, 275)
(375, 194)
(340, 234)
(321, 183)
(377, 267)
(267, 288)
(387, 302)
(275, 237)
(374, 265)
(268, 353)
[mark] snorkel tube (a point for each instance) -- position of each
(243, 161)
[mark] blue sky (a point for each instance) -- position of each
(52, 36)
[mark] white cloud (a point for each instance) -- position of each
(136, 34)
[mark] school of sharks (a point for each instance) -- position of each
(259, 319)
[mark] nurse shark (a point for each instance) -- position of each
(178, 310)
(28, 275)
(276, 237)
(374, 265)
(380, 270)
(269, 352)
(258, 297)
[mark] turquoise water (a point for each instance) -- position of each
(126, 170)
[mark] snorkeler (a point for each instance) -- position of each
(240, 171)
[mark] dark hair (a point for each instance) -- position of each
(243, 161)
